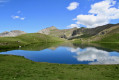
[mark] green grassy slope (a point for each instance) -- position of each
(108, 38)
(108, 35)
(26, 39)
(110, 41)
(19, 68)
(112, 38)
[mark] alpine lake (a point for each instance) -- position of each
(68, 53)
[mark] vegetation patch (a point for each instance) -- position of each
(19, 68)
(112, 38)
(26, 39)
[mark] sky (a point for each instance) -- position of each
(33, 15)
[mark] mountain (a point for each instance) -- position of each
(53, 31)
(47, 31)
(80, 32)
(102, 34)
(13, 33)
(88, 32)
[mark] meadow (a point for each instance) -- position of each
(19, 68)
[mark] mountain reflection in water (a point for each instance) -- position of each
(67, 53)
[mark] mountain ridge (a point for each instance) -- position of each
(78, 32)
(70, 34)
(13, 33)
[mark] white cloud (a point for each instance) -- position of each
(73, 6)
(92, 54)
(100, 14)
(74, 49)
(15, 17)
(22, 18)
(91, 20)
(73, 26)
(18, 17)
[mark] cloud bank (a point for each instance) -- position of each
(100, 14)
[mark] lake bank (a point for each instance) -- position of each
(19, 68)
(27, 39)
(67, 53)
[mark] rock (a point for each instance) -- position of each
(75, 33)
(63, 36)
(47, 30)
(62, 33)
(12, 33)
(19, 46)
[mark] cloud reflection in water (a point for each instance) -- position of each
(95, 55)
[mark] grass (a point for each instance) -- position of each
(111, 46)
(26, 39)
(112, 38)
(19, 68)
(110, 41)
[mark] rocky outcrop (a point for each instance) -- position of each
(47, 30)
(12, 33)
(80, 32)
(53, 31)
(88, 32)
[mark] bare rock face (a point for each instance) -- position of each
(47, 30)
(53, 31)
(12, 33)
(80, 32)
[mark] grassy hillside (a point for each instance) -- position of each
(19, 68)
(112, 38)
(110, 35)
(26, 39)
(109, 41)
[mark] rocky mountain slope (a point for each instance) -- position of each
(88, 32)
(12, 33)
(53, 31)
(80, 32)
(103, 34)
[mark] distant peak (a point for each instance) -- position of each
(51, 28)
(16, 31)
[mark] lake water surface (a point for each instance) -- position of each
(67, 54)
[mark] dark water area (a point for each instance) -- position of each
(67, 53)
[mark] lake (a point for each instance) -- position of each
(67, 53)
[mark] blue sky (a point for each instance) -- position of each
(33, 15)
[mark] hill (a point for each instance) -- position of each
(53, 31)
(109, 34)
(13, 33)
(26, 39)
(75, 33)
(89, 32)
